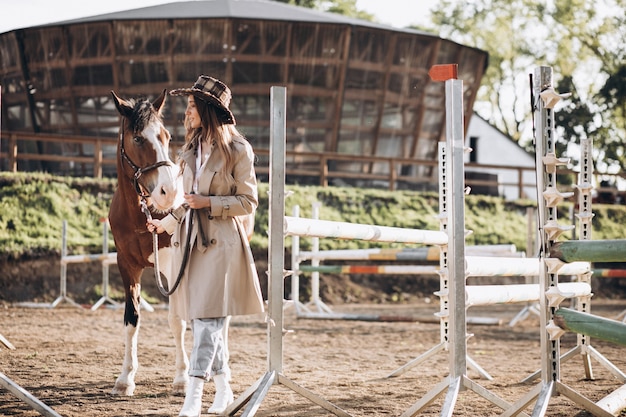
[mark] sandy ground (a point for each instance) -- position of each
(69, 359)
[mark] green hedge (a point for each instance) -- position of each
(33, 207)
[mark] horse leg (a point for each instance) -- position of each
(181, 376)
(125, 383)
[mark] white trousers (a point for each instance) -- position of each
(208, 355)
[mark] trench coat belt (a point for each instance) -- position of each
(205, 241)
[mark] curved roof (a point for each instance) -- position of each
(237, 9)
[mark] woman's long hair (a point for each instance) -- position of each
(213, 131)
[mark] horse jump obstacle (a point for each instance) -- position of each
(106, 258)
(453, 274)
(452, 226)
(316, 308)
(548, 199)
(279, 227)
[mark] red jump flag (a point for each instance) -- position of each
(444, 72)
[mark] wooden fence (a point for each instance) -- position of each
(321, 168)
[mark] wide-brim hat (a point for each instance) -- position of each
(214, 92)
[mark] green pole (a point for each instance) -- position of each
(590, 250)
(591, 325)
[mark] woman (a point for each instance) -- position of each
(220, 279)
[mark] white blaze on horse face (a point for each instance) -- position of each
(164, 193)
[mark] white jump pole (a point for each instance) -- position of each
(343, 230)
(483, 295)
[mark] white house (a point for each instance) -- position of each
(492, 147)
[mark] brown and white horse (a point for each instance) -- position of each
(147, 180)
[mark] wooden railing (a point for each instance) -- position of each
(315, 166)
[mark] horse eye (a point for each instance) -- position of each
(138, 140)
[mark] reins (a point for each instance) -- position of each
(155, 249)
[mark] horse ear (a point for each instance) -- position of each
(123, 107)
(159, 101)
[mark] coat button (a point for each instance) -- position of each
(175, 244)
(213, 241)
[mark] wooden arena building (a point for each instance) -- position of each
(361, 108)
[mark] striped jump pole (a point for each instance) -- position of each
(425, 254)
(590, 250)
(372, 269)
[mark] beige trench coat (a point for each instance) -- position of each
(220, 279)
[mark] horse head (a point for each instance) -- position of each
(143, 151)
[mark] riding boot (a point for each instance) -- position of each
(223, 394)
(192, 407)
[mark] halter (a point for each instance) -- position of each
(139, 171)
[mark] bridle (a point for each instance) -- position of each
(139, 171)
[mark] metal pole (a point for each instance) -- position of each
(276, 247)
(63, 279)
(456, 228)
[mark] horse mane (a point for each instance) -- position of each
(143, 113)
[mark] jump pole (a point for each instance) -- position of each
(255, 394)
(457, 379)
(591, 325)
(20, 393)
(590, 250)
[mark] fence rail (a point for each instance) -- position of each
(318, 167)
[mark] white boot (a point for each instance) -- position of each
(223, 394)
(192, 406)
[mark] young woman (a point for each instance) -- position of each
(220, 279)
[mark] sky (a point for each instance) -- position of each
(15, 14)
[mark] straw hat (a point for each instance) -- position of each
(212, 91)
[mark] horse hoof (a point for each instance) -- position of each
(123, 389)
(179, 387)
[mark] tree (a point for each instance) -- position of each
(584, 42)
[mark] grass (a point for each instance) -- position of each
(33, 207)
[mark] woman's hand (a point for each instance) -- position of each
(155, 225)
(197, 201)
